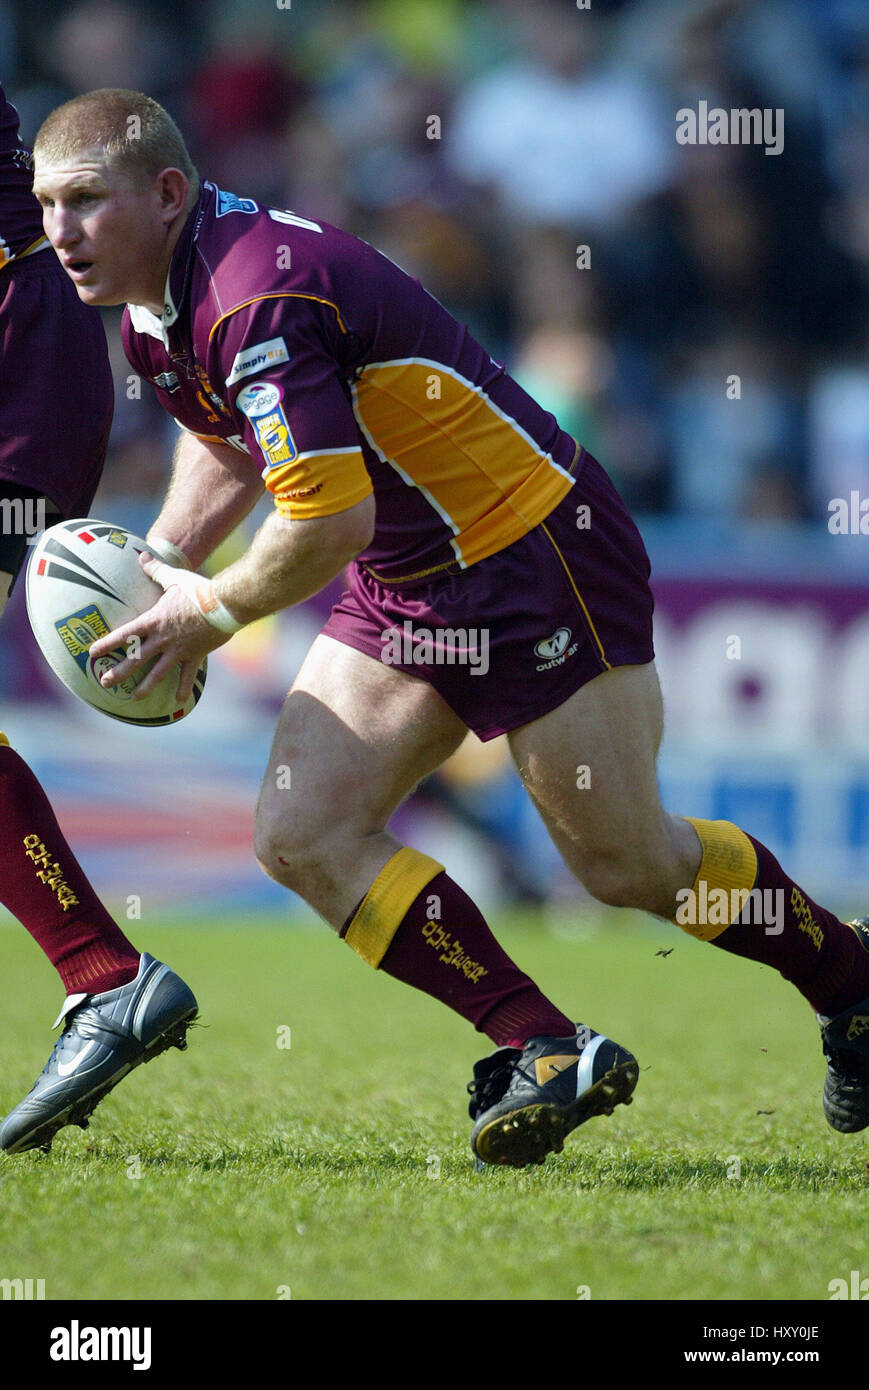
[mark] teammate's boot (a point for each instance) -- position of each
(845, 1039)
(104, 1037)
(526, 1101)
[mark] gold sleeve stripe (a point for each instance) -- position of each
(278, 294)
(275, 478)
(306, 508)
(728, 864)
(4, 742)
(383, 908)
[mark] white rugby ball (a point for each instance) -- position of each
(84, 580)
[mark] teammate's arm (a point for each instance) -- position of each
(213, 488)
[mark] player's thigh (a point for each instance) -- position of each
(589, 766)
(354, 737)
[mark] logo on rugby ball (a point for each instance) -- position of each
(79, 630)
(100, 664)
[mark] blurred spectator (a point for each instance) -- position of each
(564, 137)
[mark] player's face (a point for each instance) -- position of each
(109, 231)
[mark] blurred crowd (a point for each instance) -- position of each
(483, 143)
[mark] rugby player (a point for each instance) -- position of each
(297, 358)
(55, 413)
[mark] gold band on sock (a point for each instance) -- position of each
(728, 864)
(384, 906)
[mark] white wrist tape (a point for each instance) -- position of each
(165, 550)
(202, 592)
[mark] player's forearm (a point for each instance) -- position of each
(213, 489)
(289, 561)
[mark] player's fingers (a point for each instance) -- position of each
(157, 570)
(137, 654)
(162, 666)
(186, 680)
(119, 638)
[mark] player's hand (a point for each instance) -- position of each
(174, 631)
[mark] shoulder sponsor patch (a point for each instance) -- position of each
(259, 357)
(261, 403)
(230, 202)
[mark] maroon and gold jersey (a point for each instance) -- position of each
(335, 370)
(20, 215)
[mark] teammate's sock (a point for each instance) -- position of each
(826, 959)
(43, 885)
(420, 927)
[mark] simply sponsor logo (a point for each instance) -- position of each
(77, 1343)
(257, 358)
(739, 126)
(442, 646)
(718, 907)
(555, 650)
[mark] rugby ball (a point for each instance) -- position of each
(84, 580)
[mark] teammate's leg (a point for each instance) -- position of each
(354, 738)
(41, 882)
(122, 1008)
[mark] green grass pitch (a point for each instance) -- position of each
(339, 1168)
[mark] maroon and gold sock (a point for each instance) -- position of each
(420, 927)
(778, 924)
(43, 885)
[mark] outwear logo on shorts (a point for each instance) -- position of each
(555, 649)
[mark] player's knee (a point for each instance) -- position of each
(276, 853)
(620, 880)
(288, 849)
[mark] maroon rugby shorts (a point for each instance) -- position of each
(512, 637)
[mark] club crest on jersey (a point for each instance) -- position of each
(230, 202)
(79, 630)
(261, 403)
(168, 381)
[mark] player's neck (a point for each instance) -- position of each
(155, 293)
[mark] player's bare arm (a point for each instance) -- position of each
(290, 561)
(213, 489)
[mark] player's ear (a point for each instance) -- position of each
(172, 189)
